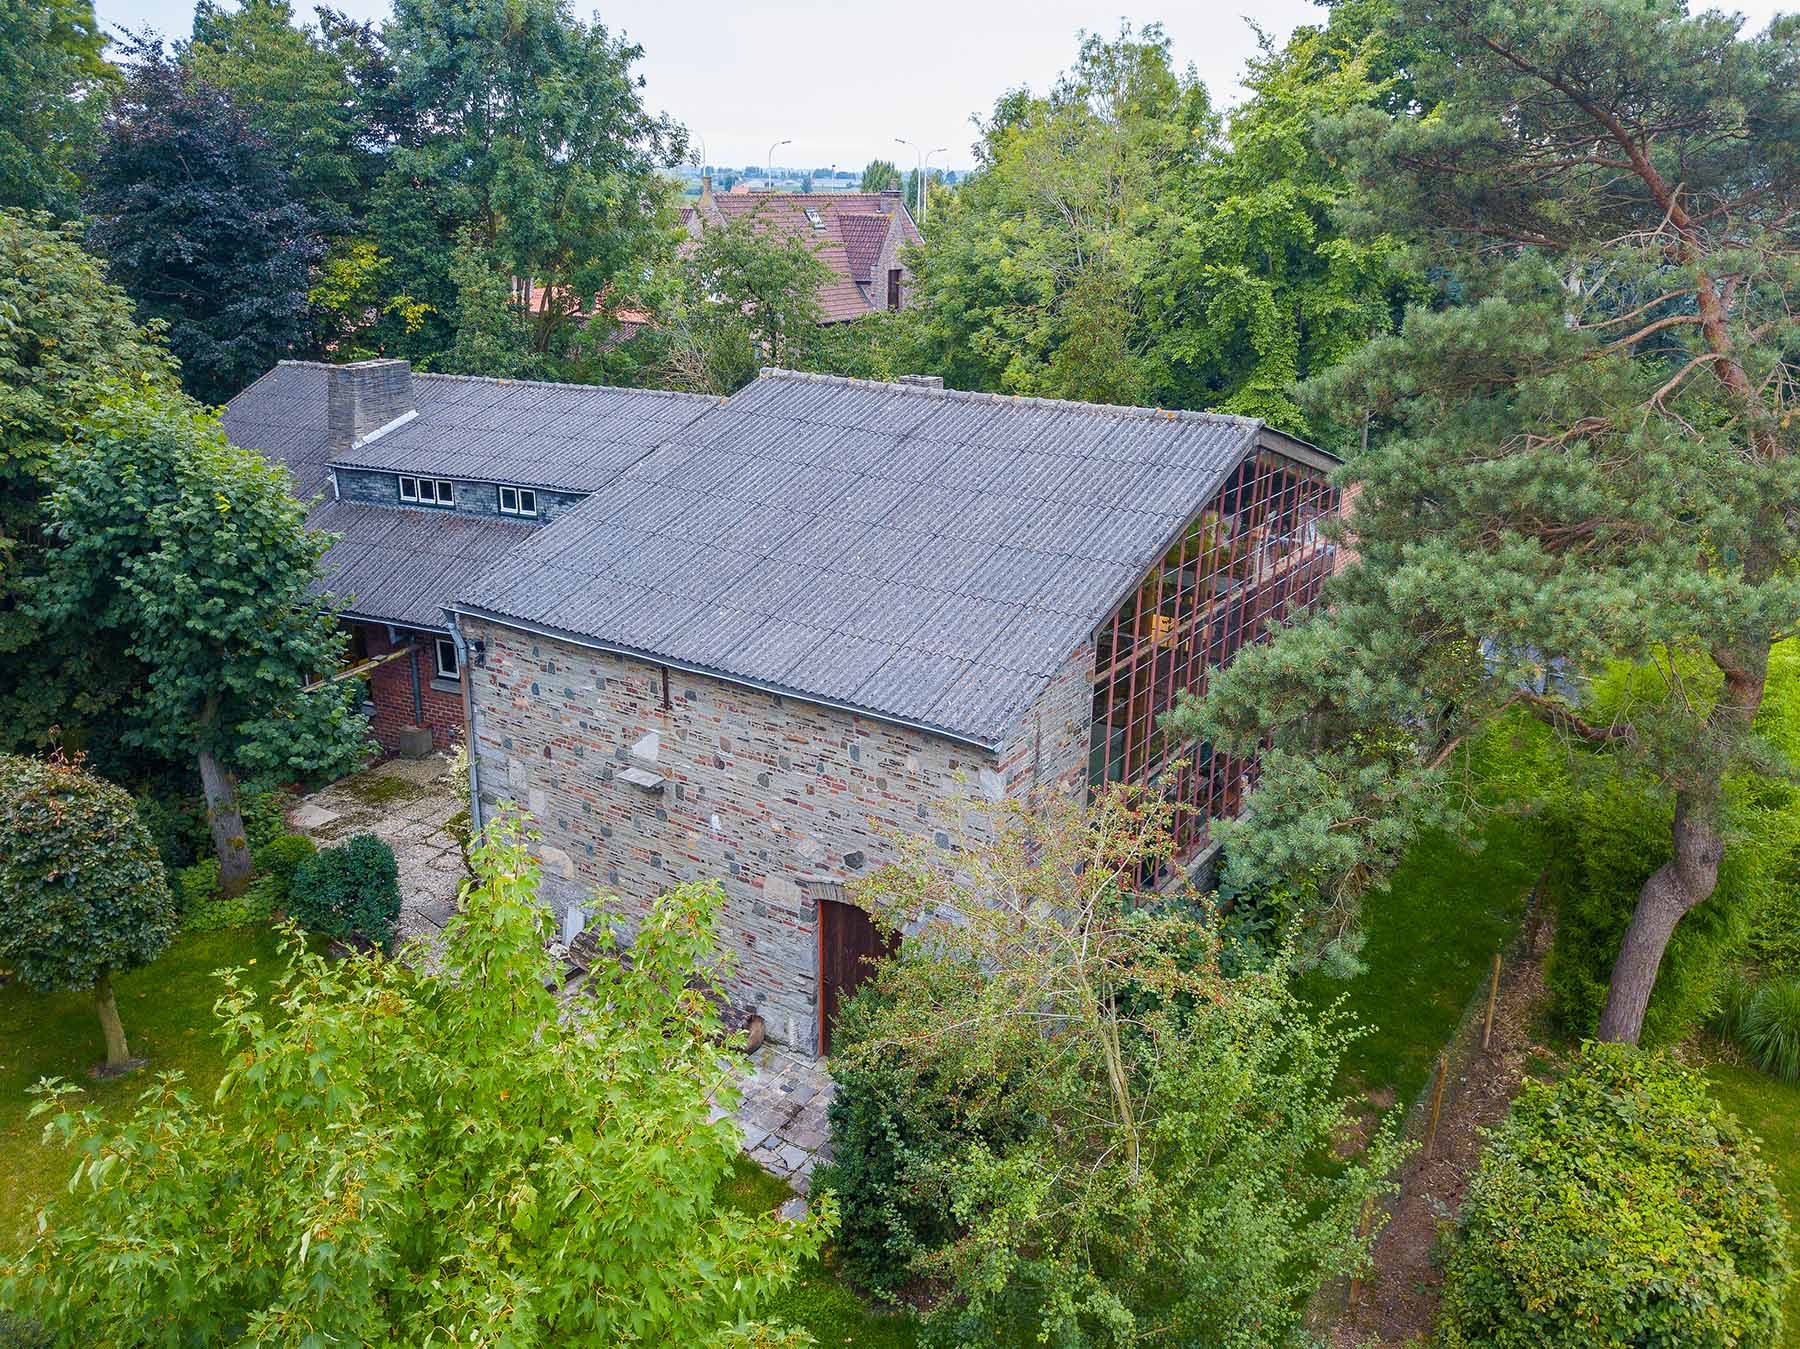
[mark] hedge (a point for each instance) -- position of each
(1620, 1206)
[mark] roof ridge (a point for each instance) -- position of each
(523, 383)
(1013, 400)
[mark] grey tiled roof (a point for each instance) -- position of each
(568, 436)
(926, 556)
(400, 566)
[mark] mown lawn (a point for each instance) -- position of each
(1432, 934)
(817, 1301)
(167, 1012)
(1771, 1109)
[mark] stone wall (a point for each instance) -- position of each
(765, 793)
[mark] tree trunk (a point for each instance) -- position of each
(108, 1007)
(227, 823)
(1689, 877)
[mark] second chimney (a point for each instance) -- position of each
(365, 396)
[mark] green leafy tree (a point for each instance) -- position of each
(1136, 1135)
(493, 331)
(195, 213)
(745, 297)
(1259, 288)
(1585, 464)
(527, 128)
(65, 331)
(193, 556)
(295, 87)
(83, 895)
(327, 1195)
(881, 175)
(57, 83)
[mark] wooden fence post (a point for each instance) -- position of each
(1362, 1230)
(1487, 1031)
(1437, 1104)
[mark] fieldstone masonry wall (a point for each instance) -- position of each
(763, 792)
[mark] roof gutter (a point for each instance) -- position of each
(464, 665)
(709, 672)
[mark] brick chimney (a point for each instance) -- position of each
(365, 397)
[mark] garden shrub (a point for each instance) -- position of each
(280, 857)
(198, 885)
(1769, 1028)
(1620, 1206)
(350, 892)
(256, 905)
(893, 1135)
(1605, 843)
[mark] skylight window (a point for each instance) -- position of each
(518, 501)
(814, 219)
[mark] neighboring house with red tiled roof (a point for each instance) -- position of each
(858, 235)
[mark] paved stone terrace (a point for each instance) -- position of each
(782, 1114)
(408, 804)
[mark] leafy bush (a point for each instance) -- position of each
(525, 1213)
(349, 893)
(1620, 1206)
(280, 858)
(1769, 1028)
(198, 885)
(1605, 843)
(256, 905)
(177, 821)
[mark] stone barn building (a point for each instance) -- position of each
(822, 606)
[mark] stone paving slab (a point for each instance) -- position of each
(782, 1113)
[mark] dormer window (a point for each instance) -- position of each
(427, 491)
(518, 501)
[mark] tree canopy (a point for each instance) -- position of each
(57, 83)
(1583, 468)
(567, 1197)
(197, 216)
(192, 556)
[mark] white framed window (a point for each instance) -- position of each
(447, 667)
(518, 501)
(427, 491)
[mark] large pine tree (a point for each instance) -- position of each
(1584, 459)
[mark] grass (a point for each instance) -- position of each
(1771, 1110)
(1432, 934)
(167, 1012)
(816, 1301)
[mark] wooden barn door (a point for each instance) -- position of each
(848, 942)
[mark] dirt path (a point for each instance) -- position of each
(1397, 1303)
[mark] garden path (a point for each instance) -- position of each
(781, 1113)
(409, 804)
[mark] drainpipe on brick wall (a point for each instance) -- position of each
(418, 694)
(468, 696)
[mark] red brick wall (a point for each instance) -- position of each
(390, 687)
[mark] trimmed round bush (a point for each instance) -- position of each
(350, 893)
(1769, 1028)
(83, 893)
(280, 858)
(1620, 1206)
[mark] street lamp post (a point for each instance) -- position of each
(771, 164)
(924, 169)
(919, 193)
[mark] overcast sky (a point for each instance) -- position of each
(843, 80)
